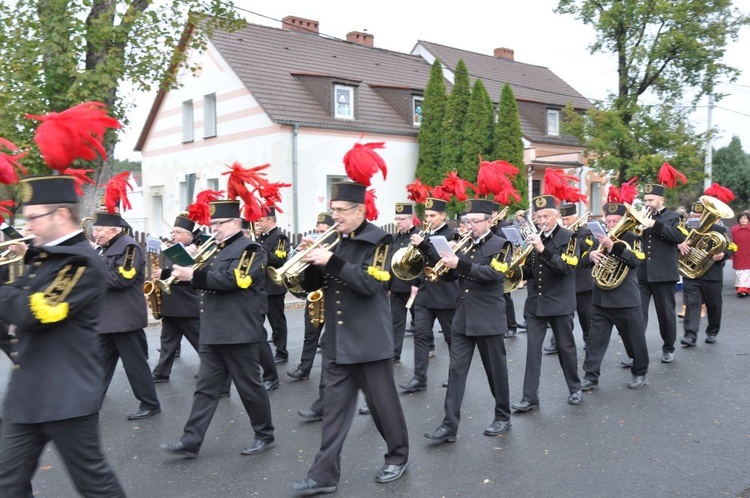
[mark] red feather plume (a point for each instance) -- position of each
(272, 195)
(362, 162)
(116, 193)
(494, 178)
(439, 192)
(668, 176)
(80, 176)
(77, 133)
(556, 184)
(629, 191)
(239, 176)
(5, 209)
(371, 211)
(199, 211)
(9, 165)
(254, 210)
(418, 191)
(613, 194)
(720, 192)
(457, 186)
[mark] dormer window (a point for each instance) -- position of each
(553, 122)
(417, 103)
(343, 103)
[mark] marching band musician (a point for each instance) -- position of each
(276, 245)
(619, 307)
(479, 321)
(401, 290)
(124, 313)
(435, 300)
(550, 272)
(358, 340)
(231, 332)
(180, 309)
(706, 288)
(55, 391)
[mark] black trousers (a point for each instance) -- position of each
(492, 352)
(240, 362)
(663, 294)
(343, 383)
(562, 329)
(510, 311)
(277, 320)
(583, 310)
(398, 316)
(309, 344)
(77, 441)
(131, 347)
(423, 336)
(695, 293)
(267, 363)
(629, 323)
(172, 330)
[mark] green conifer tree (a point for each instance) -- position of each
(479, 128)
(508, 143)
(431, 128)
(453, 122)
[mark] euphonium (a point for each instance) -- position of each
(610, 272)
(8, 256)
(316, 307)
(150, 289)
(205, 251)
(514, 274)
(407, 263)
(704, 243)
(290, 274)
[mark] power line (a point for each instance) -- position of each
(733, 111)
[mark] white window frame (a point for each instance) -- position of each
(212, 184)
(330, 180)
(553, 122)
(343, 110)
(417, 114)
(209, 115)
(188, 122)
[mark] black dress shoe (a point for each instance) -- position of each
(522, 326)
(445, 384)
(389, 473)
(310, 487)
(413, 386)
(588, 385)
(576, 398)
(257, 446)
(510, 333)
(550, 349)
(667, 357)
(441, 435)
(309, 415)
(688, 341)
(626, 363)
(710, 339)
(225, 394)
(180, 449)
(299, 374)
(160, 379)
(278, 360)
(144, 413)
(497, 427)
(396, 361)
(524, 406)
(270, 385)
(364, 409)
(637, 382)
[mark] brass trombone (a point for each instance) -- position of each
(9, 256)
(290, 274)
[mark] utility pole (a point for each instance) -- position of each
(709, 150)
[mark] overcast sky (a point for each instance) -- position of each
(531, 28)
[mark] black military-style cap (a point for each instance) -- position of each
(614, 208)
(545, 202)
(224, 209)
(102, 219)
(182, 221)
(567, 210)
(654, 189)
(48, 189)
(245, 225)
(483, 206)
(270, 211)
(326, 219)
(434, 204)
(404, 208)
(348, 192)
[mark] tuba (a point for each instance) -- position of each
(611, 272)
(205, 251)
(704, 243)
(407, 263)
(290, 274)
(152, 292)
(514, 274)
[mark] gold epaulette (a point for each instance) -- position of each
(127, 270)
(377, 269)
(571, 260)
(498, 266)
(50, 306)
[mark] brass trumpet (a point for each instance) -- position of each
(205, 251)
(9, 256)
(290, 274)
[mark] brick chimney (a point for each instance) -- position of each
(299, 24)
(361, 38)
(504, 53)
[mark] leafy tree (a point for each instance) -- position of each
(58, 53)
(119, 165)
(430, 130)
(664, 50)
(479, 128)
(451, 156)
(508, 143)
(731, 168)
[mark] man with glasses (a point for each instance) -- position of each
(479, 321)
(231, 332)
(401, 290)
(55, 391)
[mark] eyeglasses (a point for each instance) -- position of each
(401, 218)
(343, 210)
(469, 221)
(216, 223)
(32, 218)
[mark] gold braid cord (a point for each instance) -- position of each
(50, 306)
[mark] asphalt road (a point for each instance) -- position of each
(686, 434)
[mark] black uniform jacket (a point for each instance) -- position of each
(55, 305)
(660, 246)
(357, 311)
(551, 278)
(183, 301)
(716, 271)
(232, 297)
(584, 282)
(481, 272)
(125, 306)
(627, 294)
(441, 294)
(276, 245)
(399, 241)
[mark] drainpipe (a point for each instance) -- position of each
(295, 180)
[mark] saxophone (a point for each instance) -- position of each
(150, 289)
(316, 307)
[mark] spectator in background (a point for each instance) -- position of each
(741, 259)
